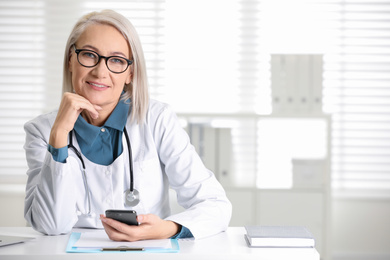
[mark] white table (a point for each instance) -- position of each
(226, 245)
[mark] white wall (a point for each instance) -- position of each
(361, 229)
(11, 205)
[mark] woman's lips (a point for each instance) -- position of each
(97, 86)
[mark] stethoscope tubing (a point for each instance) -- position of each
(130, 160)
(71, 146)
(78, 154)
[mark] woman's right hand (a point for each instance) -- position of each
(70, 108)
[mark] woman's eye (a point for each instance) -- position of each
(89, 55)
(118, 61)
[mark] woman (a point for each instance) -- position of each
(79, 156)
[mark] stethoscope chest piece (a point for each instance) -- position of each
(131, 198)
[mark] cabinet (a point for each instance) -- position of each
(301, 198)
(275, 168)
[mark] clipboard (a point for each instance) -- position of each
(75, 236)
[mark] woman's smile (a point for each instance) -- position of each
(97, 86)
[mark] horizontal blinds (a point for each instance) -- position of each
(357, 93)
(202, 62)
(214, 66)
(22, 72)
(212, 56)
(33, 34)
(353, 37)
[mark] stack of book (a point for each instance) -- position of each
(278, 236)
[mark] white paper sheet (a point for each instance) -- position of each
(99, 239)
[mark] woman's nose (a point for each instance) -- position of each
(100, 70)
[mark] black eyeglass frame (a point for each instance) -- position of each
(77, 51)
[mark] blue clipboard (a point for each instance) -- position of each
(74, 237)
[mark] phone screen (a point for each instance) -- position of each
(128, 217)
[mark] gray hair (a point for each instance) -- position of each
(137, 90)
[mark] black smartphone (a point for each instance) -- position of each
(128, 217)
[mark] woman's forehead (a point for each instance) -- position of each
(104, 38)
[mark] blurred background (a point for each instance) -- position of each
(287, 101)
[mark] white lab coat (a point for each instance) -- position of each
(163, 157)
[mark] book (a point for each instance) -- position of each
(278, 236)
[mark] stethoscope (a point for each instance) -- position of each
(131, 195)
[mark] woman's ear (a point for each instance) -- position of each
(129, 77)
(70, 66)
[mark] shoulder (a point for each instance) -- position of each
(158, 110)
(156, 106)
(161, 116)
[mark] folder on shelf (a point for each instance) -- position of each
(98, 241)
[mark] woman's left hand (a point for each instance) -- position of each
(150, 227)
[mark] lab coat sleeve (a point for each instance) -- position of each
(50, 200)
(208, 210)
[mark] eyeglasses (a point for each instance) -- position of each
(89, 59)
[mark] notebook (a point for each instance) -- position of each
(10, 240)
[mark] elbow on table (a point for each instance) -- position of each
(51, 230)
(47, 227)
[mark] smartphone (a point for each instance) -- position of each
(128, 217)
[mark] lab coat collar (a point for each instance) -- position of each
(117, 120)
(118, 117)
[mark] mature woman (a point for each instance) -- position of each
(109, 147)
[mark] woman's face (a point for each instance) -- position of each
(98, 84)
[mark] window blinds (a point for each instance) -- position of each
(204, 58)
(33, 35)
(21, 78)
(352, 36)
(356, 91)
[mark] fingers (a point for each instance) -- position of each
(147, 219)
(97, 109)
(151, 227)
(70, 108)
(118, 231)
(113, 234)
(78, 103)
(114, 224)
(157, 228)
